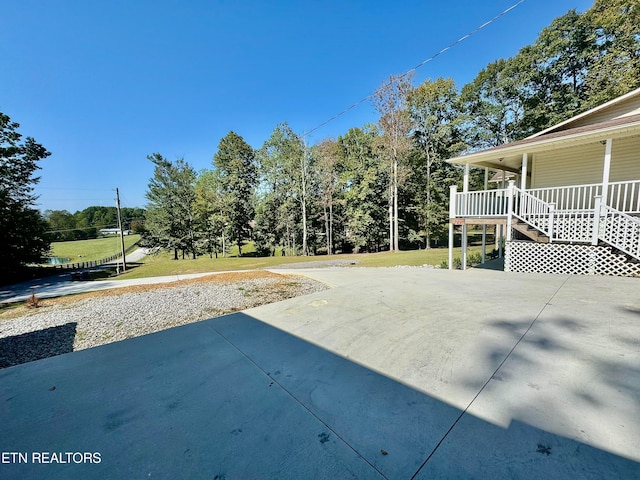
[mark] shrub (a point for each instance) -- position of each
(474, 259)
(33, 301)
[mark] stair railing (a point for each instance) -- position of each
(533, 211)
(618, 229)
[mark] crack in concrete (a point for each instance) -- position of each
(493, 376)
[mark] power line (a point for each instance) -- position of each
(70, 199)
(81, 228)
(73, 188)
(421, 64)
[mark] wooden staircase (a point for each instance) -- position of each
(529, 231)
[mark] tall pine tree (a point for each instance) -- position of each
(22, 228)
(236, 173)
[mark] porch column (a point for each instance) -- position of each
(512, 185)
(465, 189)
(450, 246)
(523, 175)
(465, 185)
(500, 229)
(605, 171)
(452, 213)
(484, 227)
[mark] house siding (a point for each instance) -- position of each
(577, 165)
(623, 109)
(583, 164)
(625, 159)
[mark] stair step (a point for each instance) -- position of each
(530, 231)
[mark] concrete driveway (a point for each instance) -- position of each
(394, 373)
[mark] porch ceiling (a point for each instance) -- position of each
(509, 156)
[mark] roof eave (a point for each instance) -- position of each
(488, 158)
(599, 108)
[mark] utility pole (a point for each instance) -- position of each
(124, 260)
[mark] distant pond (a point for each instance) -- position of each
(56, 260)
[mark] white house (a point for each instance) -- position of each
(574, 206)
(113, 231)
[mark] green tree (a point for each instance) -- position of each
(132, 218)
(364, 183)
(265, 233)
(236, 170)
(22, 228)
(549, 75)
(493, 106)
(390, 100)
(84, 224)
(327, 174)
(616, 68)
(579, 61)
(98, 217)
(62, 225)
(436, 122)
(211, 212)
(285, 171)
(170, 215)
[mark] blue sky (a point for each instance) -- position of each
(104, 83)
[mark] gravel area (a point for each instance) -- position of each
(104, 318)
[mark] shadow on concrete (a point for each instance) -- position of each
(25, 288)
(631, 308)
(232, 397)
(37, 345)
(563, 367)
(576, 348)
(495, 264)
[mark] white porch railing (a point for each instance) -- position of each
(532, 210)
(482, 203)
(621, 196)
(573, 226)
(624, 196)
(559, 225)
(576, 197)
(568, 214)
(619, 230)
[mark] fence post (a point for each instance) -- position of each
(552, 209)
(596, 219)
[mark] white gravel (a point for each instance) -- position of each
(96, 321)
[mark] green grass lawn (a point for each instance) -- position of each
(433, 256)
(163, 263)
(89, 250)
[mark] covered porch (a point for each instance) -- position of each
(575, 186)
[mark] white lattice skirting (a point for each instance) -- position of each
(531, 257)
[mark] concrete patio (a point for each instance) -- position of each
(396, 373)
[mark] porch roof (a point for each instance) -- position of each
(509, 156)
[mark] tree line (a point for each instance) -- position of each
(386, 185)
(374, 187)
(86, 224)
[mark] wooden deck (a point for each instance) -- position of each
(478, 220)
